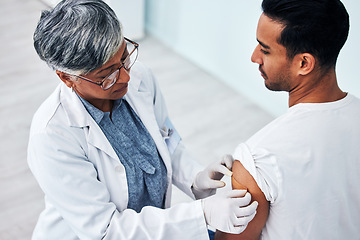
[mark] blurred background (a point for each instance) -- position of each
(198, 50)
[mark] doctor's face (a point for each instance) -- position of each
(86, 88)
(274, 65)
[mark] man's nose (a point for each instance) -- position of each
(256, 56)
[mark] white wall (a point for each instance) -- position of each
(131, 15)
(219, 36)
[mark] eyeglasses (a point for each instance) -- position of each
(110, 80)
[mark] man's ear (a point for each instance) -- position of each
(305, 63)
(66, 78)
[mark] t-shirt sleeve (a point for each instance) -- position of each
(262, 165)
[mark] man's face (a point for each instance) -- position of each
(274, 65)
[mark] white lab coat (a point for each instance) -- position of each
(84, 182)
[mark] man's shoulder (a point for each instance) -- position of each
(354, 101)
(302, 119)
(276, 130)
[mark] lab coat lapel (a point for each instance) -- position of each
(80, 118)
(142, 103)
(98, 139)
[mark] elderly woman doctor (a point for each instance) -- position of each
(103, 149)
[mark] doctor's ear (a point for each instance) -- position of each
(66, 78)
(305, 63)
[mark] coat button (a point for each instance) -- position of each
(119, 169)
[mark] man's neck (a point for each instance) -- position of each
(317, 88)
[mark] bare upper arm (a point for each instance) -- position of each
(242, 179)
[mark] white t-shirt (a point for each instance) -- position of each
(307, 163)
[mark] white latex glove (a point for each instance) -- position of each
(207, 181)
(227, 212)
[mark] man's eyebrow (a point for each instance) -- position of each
(263, 44)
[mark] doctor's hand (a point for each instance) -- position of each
(227, 212)
(207, 181)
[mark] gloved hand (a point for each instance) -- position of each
(227, 212)
(207, 181)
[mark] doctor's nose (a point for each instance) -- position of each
(124, 76)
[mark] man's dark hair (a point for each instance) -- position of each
(318, 27)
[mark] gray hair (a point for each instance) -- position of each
(78, 36)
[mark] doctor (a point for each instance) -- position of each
(103, 149)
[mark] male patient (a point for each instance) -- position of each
(304, 167)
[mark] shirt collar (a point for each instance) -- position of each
(95, 113)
